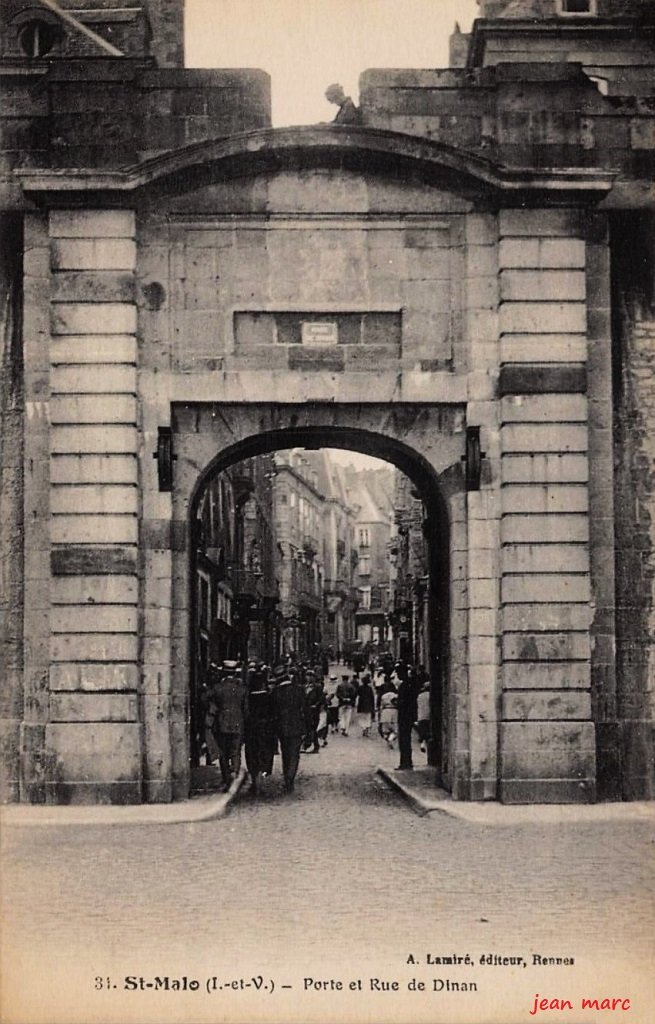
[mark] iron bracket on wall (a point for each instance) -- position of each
(165, 458)
(473, 459)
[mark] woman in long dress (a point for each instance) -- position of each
(388, 727)
(365, 705)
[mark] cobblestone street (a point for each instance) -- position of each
(339, 881)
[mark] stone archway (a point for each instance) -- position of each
(425, 442)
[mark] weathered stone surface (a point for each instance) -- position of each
(546, 616)
(93, 707)
(534, 379)
(543, 437)
(107, 752)
(93, 318)
(68, 409)
(543, 408)
(535, 529)
(91, 224)
(542, 285)
(542, 253)
(543, 348)
(93, 618)
(527, 558)
(93, 676)
(519, 223)
(93, 286)
(92, 254)
(109, 439)
(94, 590)
(87, 559)
(93, 647)
(92, 469)
(546, 675)
(94, 498)
(546, 705)
(93, 348)
(548, 750)
(545, 587)
(545, 498)
(545, 646)
(530, 317)
(554, 468)
(94, 529)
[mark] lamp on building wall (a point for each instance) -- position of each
(473, 459)
(165, 458)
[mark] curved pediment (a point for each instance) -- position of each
(355, 148)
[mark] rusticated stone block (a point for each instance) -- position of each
(546, 646)
(94, 529)
(93, 254)
(89, 559)
(548, 750)
(537, 380)
(93, 676)
(93, 707)
(93, 286)
(91, 224)
(93, 348)
(91, 469)
(546, 705)
(546, 675)
(92, 647)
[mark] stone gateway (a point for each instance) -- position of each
(461, 283)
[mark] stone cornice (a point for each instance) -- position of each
(371, 150)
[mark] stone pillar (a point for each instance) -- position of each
(93, 738)
(547, 735)
(483, 506)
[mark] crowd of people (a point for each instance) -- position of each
(295, 707)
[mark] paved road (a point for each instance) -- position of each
(340, 881)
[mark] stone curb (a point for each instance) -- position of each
(207, 808)
(498, 815)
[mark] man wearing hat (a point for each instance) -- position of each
(290, 718)
(230, 699)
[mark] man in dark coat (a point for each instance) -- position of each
(346, 695)
(230, 700)
(290, 722)
(406, 718)
(260, 736)
(315, 702)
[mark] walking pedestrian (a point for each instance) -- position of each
(365, 705)
(290, 719)
(423, 715)
(388, 715)
(260, 735)
(314, 701)
(230, 698)
(333, 707)
(406, 704)
(346, 694)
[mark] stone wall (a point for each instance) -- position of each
(12, 411)
(93, 736)
(537, 114)
(633, 251)
(547, 736)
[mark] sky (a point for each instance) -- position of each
(305, 45)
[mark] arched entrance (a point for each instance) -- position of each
(425, 443)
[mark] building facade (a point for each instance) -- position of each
(372, 531)
(409, 607)
(483, 318)
(298, 510)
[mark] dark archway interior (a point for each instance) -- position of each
(427, 486)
